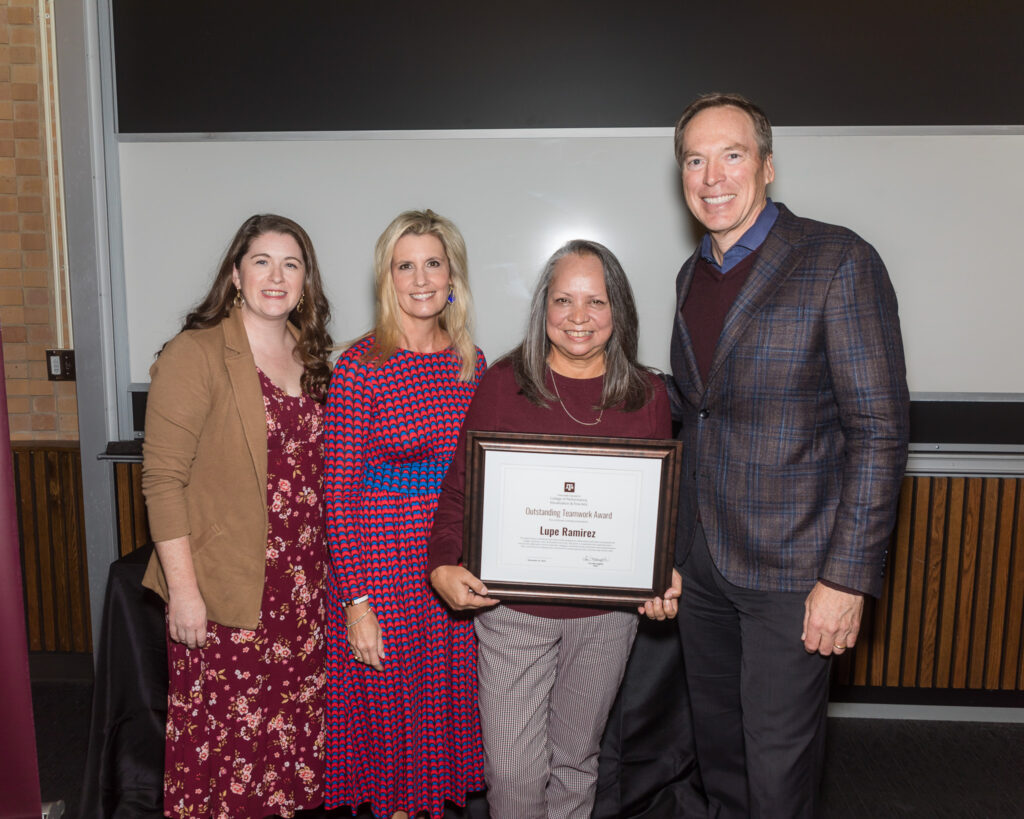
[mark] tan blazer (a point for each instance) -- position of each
(204, 467)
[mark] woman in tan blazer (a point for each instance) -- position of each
(232, 477)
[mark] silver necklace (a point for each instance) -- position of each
(554, 383)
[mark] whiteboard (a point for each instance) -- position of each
(943, 210)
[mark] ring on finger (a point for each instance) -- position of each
(840, 647)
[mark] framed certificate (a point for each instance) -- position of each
(571, 519)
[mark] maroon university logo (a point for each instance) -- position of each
(570, 486)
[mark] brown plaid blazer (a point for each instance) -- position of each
(796, 446)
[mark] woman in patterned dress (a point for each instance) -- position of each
(403, 733)
(232, 473)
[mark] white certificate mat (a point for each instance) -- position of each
(570, 519)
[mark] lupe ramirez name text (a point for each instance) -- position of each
(565, 531)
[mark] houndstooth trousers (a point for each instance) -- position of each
(546, 686)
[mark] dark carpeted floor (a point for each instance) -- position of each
(903, 768)
(874, 768)
(62, 711)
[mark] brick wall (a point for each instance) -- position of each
(39, 409)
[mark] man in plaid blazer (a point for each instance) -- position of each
(790, 384)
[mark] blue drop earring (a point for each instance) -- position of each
(451, 295)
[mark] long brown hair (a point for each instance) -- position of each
(314, 342)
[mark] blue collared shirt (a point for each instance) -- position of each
(747, 243)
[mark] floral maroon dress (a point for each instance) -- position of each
(245, 714)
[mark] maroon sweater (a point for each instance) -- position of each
(707, 303)
(498, 406)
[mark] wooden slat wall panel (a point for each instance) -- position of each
(132, 523)
(27, 545)
(933, 583)
(916, 560)
(968, 572)
(895, 602)
(43, 548)
(48, 489)
(983, 586)
(952, 557)
(1002, 562)
(74, 530)
(1013, 676)
(951, 615)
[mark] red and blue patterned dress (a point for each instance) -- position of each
(245, 734)
(407, 738)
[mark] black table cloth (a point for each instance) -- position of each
(125, 762)
(647, 770)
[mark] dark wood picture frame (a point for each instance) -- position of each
(669, 452)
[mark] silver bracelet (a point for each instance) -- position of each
(359, 619)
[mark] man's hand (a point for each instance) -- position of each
(665, 607)
(831, 620)
(460, 589)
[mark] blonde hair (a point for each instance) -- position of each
(456, 317)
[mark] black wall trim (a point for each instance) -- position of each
(967, 698)
(984, 423)
(186, 66)
(967, 422)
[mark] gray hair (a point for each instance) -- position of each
(625, 380)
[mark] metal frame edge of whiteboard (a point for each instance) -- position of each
(352, 136)
(944, 713)
(555, 133)
(1005, 461)
(1004, 397)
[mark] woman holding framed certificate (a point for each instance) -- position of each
(548, 673)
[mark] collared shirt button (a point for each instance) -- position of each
(703, 414)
